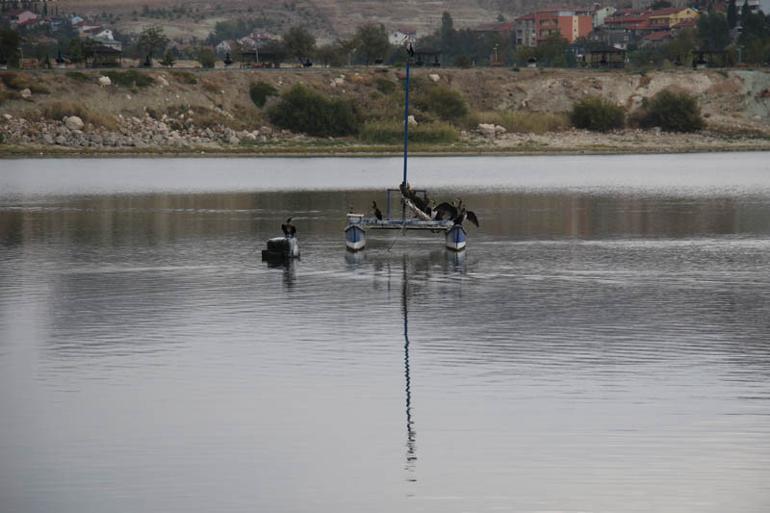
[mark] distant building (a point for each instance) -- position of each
(22, 18)
(667, 18)
(532, 29)
(602, 13)
(402, 36)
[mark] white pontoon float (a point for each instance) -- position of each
(412, 218)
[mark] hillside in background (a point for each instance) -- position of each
(328, 19)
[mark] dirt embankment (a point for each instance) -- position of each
(187, 111)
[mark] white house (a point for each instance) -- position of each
(105, 34)
(402, 36)
(601, 14)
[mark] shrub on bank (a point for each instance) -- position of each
(18, 82)
(521, 121)
(446, 103)
(130, 78)
(62, 109)
(385, 86)
(260, 92)
(597, 114)
(392, 132)
(304, 110)
(673, 112)
(77, 76)
(184, 77)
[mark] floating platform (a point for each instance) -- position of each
(357, 225)
(281, 248)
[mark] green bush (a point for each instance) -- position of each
(8, 95)
(260, 92)
(385, 86)
(207, 58)
(597, 114)
(184, 77)
(303, 110)
(392, 132)
(77, 76)
(673, 112)
(130, 78)
(18, 82)
(446, 103)
(521, 121)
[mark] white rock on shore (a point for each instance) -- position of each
(74, 123)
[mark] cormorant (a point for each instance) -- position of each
(466, 214)
(377, 212)
(445, 211)
(288, 229)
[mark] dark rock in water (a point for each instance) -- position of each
(281, 248)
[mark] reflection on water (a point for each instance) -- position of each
(601, 349)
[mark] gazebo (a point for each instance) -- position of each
(105, 57)
(607, 57)
(261, 58)
(709, 58)
(428, 57)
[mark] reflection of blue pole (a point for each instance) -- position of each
(406, 117)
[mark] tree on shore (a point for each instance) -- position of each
(168, 59)
(152, 40)
(713, 31)
(299, 43)
(732, 14)
(372, 42)
(10, 54)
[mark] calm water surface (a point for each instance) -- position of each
(602, 346)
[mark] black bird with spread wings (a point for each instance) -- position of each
(288, 229)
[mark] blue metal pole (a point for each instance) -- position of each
(406, 118)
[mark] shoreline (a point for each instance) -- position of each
(8, 152)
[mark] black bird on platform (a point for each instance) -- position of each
(376, 210)
(288, 229)
(445, 211)
(466, 214)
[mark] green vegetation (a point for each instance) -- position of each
(385, 86)
(597, 114)
(671, 111)
(260, 92)
(9, 48)
(185, 77)
(206, 57)
(304, 110)
(77, 76)
(18, 82)
(371, 42)
(522, 121)
(168, 59)
(152, 40)
(299, 43)
(130, 78)
(446, 103)
(392, 132)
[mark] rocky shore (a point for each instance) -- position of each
(185, 112)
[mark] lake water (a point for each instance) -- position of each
(603, 345)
